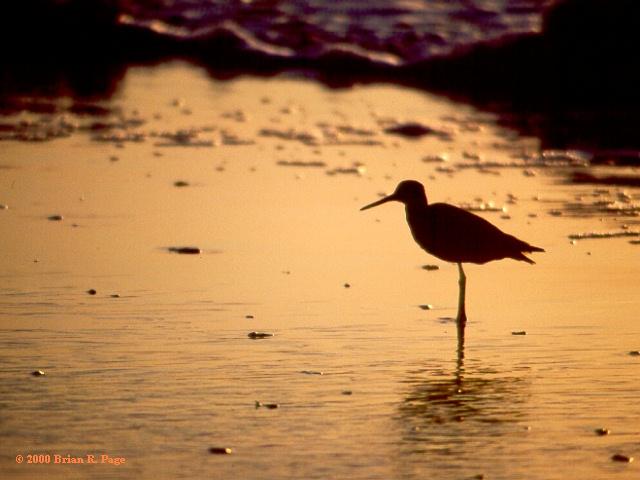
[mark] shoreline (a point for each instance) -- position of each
(573, 84)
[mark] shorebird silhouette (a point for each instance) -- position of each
(454, 235)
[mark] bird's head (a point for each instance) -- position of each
(409, 192)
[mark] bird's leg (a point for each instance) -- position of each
(461, 319)
(461, 326)
(462, 283)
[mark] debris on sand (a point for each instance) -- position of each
(120, 137)
(519, 332)
(229, 138)
(620, 180)
(443, 157)
(307, 138)
(184, 138)
(301, 163)
(430, 268)
(356, 169)
(55, 218)
(220, 451)
(270, 406)
(312, 372)
(411, 130)
(92, 291)
(618, 457)
(185, 250)
(37, 373)
(257, 335)
(602, 431)
(446, 320)
(610, 234)
(481, 206)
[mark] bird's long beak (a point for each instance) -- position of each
(388, 198)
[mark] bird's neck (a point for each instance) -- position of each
(415, 210)
(416, 206)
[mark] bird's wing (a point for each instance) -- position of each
(466, 237)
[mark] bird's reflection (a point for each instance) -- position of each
(471, 396)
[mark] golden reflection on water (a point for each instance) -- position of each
(165, 369)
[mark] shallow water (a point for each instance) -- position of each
(165, 371)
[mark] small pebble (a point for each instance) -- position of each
(4, 207)
(520, 332)
(635, 353)
(115, 295)
(312, 372)
(180, 183)
(220, 450)
(426, 306)
(347, 392)
(410, 129)
(430, 268)
(602, 431)
(92, 291)
(621, 458)
(185, 250)
(248, 316)
(37, 373)
(259, 335)
(55, 218)
(271, 406)
(347, 285)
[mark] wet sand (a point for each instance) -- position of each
(266, 177)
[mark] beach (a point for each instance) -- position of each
(145, 350)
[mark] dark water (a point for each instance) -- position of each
(564, 71)
(387, 32)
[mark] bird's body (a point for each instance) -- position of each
(454, 234)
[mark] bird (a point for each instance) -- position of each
(454, 235)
